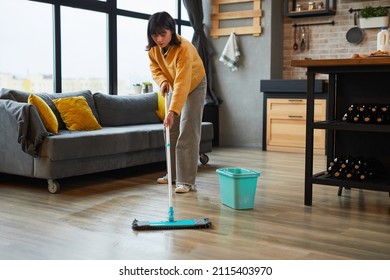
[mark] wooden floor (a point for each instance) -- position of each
(91, 217)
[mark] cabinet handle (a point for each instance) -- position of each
(295, 100)
(296, 117)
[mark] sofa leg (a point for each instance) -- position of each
(203, 158)
(53, 186)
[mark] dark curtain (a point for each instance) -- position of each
(202, 44)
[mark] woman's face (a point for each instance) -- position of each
(163, 38)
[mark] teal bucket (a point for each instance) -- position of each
(238, 187)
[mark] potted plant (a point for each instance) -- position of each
(374, 17)
(137, 88)
(147, 87)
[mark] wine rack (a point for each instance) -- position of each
(351, 82)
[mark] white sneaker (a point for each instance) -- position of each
(164, 180)
(183, 188)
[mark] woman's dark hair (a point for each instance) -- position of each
(158, 23)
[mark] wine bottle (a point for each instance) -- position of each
(370, 118)
(350, 162)
(358, 118)
(373, 108)
(353, 108)
(330, 171)
(350, 174)
(333, 167)
(368, 168)
(365, 175)
(383, 118)
(348, 117)
(362, 108)
(346, 162)
(348, 167)
(384, 108)
(337, 162)
(359, 175)
(358, 162)
(339, 173)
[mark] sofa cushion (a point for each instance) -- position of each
(45, 112)
(22, 96)
(76, 113)
(109, 141)
(160, 107)
(118, 110)
(49, 100)
(106, 141)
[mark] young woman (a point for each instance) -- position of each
(176, 67)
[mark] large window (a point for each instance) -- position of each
(26, 46)
(84, 50)
(133, 62)
(97, 46)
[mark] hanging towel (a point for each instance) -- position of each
(231, 54)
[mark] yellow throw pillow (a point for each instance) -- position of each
(76, 113)
(160, 106)
(45, 112)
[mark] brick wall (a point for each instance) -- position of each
(328, 41)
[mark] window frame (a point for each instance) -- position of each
(110, 9)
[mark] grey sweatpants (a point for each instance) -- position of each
(186, 135)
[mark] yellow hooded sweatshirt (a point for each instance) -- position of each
(181, 66)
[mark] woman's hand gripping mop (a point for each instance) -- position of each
(171, 223)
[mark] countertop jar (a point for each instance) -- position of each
(298, 8)
(310, 6)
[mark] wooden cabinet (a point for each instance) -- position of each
(286, 125)
(284, 114)
(302, 8)
(350, 81)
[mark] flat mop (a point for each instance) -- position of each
(171, 223)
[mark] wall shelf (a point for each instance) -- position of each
(329, 8)
(217, 16)
(316, 23)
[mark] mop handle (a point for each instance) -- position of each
(168, 156)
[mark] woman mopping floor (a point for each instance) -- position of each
(177, 67)
(171, 223)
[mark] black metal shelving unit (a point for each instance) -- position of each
(349, 83)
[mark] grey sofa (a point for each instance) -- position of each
(131, 135)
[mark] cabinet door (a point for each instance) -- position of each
(286, 125)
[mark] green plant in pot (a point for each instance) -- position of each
(147, 87)
(374, 17)
(370, 11)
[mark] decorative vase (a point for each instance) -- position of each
(373, 22)
(137, 89)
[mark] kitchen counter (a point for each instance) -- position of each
(290, 86)
(369, 61)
